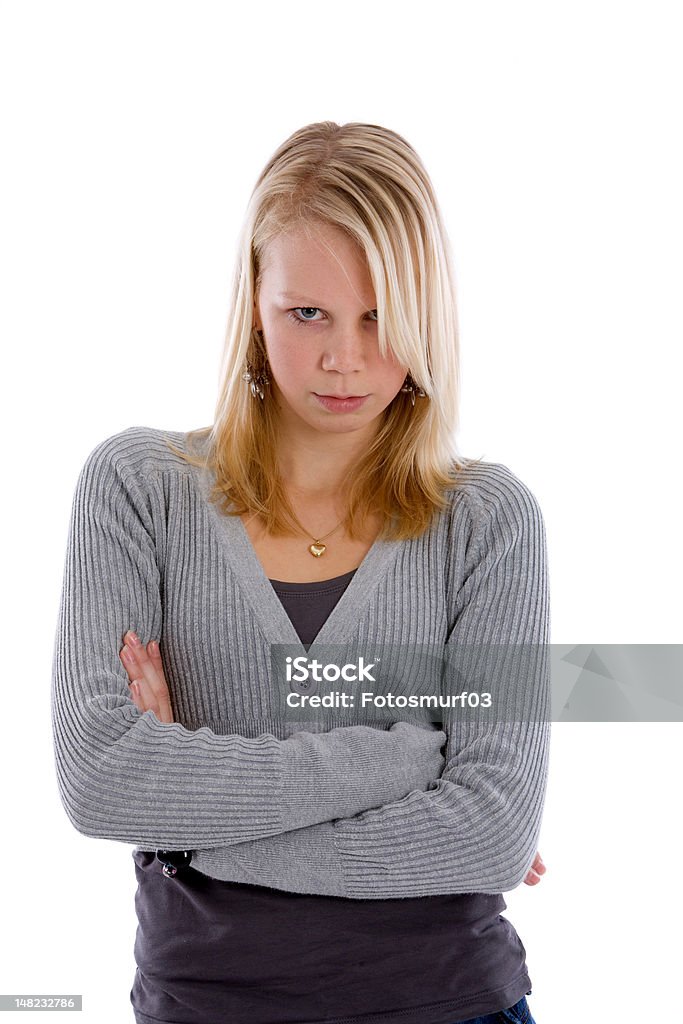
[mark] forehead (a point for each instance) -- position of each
(326, 264)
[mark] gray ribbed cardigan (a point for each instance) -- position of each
(363, 810)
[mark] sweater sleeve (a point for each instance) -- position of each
(126, 776)
(476, 829)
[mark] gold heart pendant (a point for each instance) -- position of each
(317, 549)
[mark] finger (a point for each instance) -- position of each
(139, 666)
(128, 655)
(146, 699)
(129, 662)
(149, 669)
(155, 655)
(160, 685)
(151, 702)
(139, 694)
(532, 878)
(144, 664)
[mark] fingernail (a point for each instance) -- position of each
(154, 646)
(133, 639)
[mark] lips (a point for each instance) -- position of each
(341, 403)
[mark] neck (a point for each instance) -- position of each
(314, 464)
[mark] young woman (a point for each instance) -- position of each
(289, 871)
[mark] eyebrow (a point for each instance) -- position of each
(298, 297)
(294, 296)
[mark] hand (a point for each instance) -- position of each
(144, 667)
(537, 869)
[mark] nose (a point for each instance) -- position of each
(345, 353)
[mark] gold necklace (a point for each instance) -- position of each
(317, 548)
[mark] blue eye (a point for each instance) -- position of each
(298, 320)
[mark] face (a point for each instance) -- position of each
(317, 311)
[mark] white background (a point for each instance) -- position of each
(132, 135)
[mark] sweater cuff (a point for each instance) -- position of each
(304, 860)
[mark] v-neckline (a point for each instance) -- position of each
(267, 607)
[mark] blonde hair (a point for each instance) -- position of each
(367, 181)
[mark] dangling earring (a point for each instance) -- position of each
(256, 379)
(412, 389)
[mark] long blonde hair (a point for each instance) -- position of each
(369, 182)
